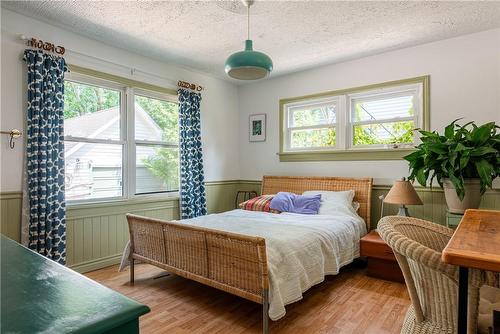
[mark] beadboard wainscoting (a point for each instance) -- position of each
(97, 233)
(434, 208)
(221, 195)
(10, 214)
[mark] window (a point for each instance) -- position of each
(312, 125)
(157, 145)
(120, 140)
(354, 124)
(383, 119)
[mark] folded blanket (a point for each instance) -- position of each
(290, 202)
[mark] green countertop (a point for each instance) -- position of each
(40, 295)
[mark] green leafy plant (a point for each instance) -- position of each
(464, 151)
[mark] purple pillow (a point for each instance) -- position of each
(289, 202)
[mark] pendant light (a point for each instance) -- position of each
(248, 64)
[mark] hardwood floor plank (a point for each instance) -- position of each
(349, 302)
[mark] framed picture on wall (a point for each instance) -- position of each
(258, 127)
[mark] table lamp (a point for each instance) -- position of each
(403, 193)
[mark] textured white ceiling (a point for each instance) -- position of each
(296, 34)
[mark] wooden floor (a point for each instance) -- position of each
(350, 302)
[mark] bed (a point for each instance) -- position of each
(267, 258)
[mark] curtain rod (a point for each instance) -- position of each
(191, 86)
(132, 70)
(46, 46)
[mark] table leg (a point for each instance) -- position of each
(463, 294)
(496, 322)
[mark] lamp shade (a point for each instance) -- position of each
(248, 64)
(403, 193)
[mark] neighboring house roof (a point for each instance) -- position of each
(93, 124)
(105, 124)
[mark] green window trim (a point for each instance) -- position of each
(353, 154)
(346, 155)
(121, 80)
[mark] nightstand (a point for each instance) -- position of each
(453, 219)
(381, 260)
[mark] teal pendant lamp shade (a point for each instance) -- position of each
(248, 64)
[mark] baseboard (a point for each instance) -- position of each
(84, 267)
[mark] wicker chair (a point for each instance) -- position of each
(432, 284)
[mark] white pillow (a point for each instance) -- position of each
(335, 202)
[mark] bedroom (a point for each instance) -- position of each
(439, 58)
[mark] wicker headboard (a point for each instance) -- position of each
(299, 184)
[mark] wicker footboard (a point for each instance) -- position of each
(230, 262)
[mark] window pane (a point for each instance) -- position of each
(383, 108)
(313, 115)
(92, 170)
(383, 133)
(313, 138)
(91, 111)
(156, 120)
(157, 169)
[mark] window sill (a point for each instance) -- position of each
(352, 155)
(139, 199)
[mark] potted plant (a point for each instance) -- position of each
(464, 161)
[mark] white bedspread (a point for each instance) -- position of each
(301, 249)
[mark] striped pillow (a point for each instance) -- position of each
(259, 203)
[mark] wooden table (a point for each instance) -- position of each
(40, 295)
(475, 244)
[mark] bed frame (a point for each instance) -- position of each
(230, 262)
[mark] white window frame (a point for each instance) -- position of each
(311, 103)
(135, 142)
(127, 136)
(414, 90)
(345, 100)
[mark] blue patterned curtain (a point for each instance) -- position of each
(193, 198)
(45, 154)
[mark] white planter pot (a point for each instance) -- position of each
(471, 200)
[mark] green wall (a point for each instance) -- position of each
(434, 208)
(97, 233)
(10, 214)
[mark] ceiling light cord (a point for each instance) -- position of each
(248, 21)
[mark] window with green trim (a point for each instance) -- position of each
(365, 119)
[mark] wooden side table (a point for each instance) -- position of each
(381, 260)
(474, 244)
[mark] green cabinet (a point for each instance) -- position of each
(453, 219)
(42, 296)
